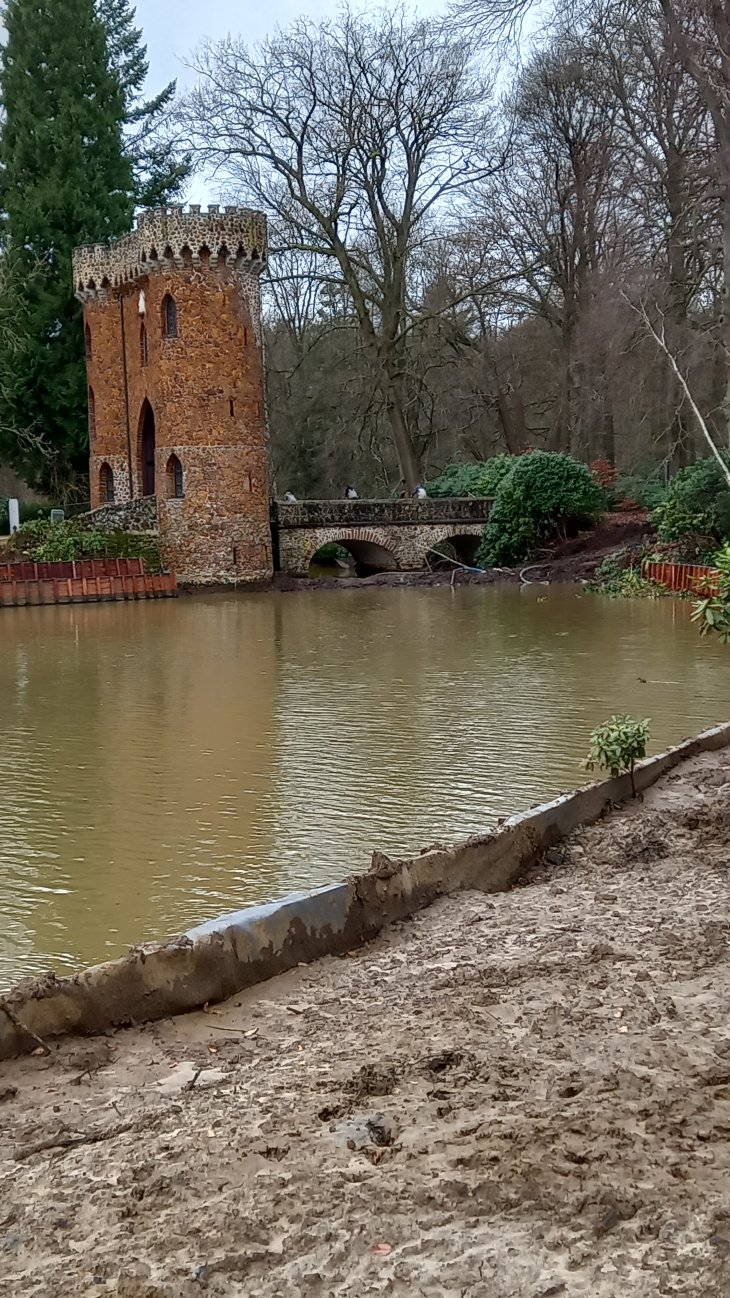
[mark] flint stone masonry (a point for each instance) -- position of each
(119, 466)
(371, 513)
(385, 548)
(396, 534)
(172, 319)
(225, 955)
(138, 515)
(172, 236)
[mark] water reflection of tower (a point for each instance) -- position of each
(349, 672)
(171, 816)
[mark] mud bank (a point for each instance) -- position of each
(246, 947)
(283, 582)
(519, 1095)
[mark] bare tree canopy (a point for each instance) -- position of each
(360, 140)
(692, 40)
(459, 272)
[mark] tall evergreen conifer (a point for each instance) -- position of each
(65, 180)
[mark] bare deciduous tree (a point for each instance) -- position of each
(701, 32)
(452, 278)
(556, 203)
(360, 139)
(658, 332)
(694, 32)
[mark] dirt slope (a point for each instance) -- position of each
(508, 1097)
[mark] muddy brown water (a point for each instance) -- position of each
(166, 762)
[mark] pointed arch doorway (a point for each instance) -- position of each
(147, 449)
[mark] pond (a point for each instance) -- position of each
(168, 761)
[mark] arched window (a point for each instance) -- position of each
(143, 352)
(92, 413)
(147, 446)
(87, 341)
(175, 488)
(106, 484)
(169, 316)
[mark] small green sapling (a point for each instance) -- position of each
(618, 745)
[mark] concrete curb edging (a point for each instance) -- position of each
(238, 950)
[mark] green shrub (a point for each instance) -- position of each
(133, 545)
(617, 578)
(47, 542)
(457, 480)
(697, 503)
(330, 552)
(480, 479)
(494, 472)
(713, 612)
(644, 485)
(543, 494)
(633, 585)
(618, 745)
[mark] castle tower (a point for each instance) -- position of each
(172, 323)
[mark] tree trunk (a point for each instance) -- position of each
(607, 438)
(678, 325)
(510, 411)
(725, 318)
(407, 458)
(681, 438)
(565, 432)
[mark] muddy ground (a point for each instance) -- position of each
(513, 1096)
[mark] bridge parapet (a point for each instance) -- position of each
(379, 513)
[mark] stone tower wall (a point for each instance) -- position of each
(205, 385)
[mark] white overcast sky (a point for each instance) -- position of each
(173, 28)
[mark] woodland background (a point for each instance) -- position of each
(471, 227)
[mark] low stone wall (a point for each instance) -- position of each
(246, 947)
(138, 515)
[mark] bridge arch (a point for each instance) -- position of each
(372, 550)
(460, 546)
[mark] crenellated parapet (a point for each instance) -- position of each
(174, 236)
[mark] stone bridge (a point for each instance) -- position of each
(381, 535)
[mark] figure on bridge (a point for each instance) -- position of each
(351, 494)
(289, 497)
(420, 492)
